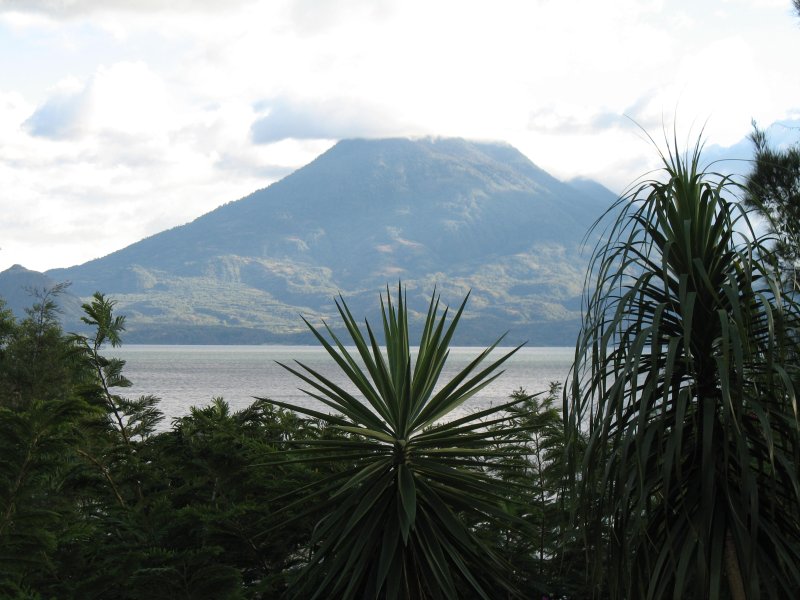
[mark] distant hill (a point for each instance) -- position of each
(21, 288)
(445, 213)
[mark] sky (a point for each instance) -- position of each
(122, 118)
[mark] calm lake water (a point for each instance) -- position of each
(185, 376)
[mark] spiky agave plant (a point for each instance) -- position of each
(393, 522)
(685, 378)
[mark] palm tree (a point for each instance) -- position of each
(393, 520)
(684, 381)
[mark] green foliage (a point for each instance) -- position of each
(194, 531)
(211, 473)
(538, 480)
(394, 521)
(685, 381)
(40, 415)
(93, 494)
(38, 361)
(130, 418)
(7, 325)
(36, 444)
(773, 188)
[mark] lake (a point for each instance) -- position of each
(185, 376)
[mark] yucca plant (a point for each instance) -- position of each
(685, 381)
(393, 519)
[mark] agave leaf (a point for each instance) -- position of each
(392, 522)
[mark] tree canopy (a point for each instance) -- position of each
(773, 189)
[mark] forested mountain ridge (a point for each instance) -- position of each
(449, 213)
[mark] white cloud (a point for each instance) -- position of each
(143, 114)
(103, 163)
(62, 115)
(126, 98)
(334, 119)
(72, 8)
(312, 16)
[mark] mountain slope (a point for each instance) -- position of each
(21, 288)
(448, 213)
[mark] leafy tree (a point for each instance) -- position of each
(139, 530)
(685, 381)
(41, 411)
(192, 531)
(538, 474)
(36, 509)
(394, 522)
(208, 461)
(96, 504)
(38, 360)
(7, 326)
(773, 188)
(544, 441)
(131, 419)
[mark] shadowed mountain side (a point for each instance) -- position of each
(21, 288)
(448, 213)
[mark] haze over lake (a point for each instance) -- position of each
(185, 376)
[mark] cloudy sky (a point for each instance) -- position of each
(122, 118)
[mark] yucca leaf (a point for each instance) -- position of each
(408, 492)
(405, 496)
